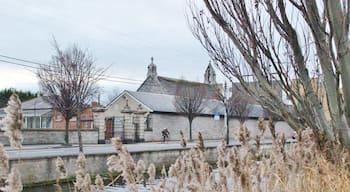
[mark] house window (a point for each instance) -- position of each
(148, 123)
(36, 122)
(30, 122)
(45, 122)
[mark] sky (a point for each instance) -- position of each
(121, 35)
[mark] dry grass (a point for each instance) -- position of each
(311, 164)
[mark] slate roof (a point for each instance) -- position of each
(37, 103)
(169, 84)
(166, 85)
(34, 107)
(164, 103)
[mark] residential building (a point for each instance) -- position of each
(38, 113)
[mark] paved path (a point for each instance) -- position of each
(37, 151)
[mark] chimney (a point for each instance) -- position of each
(94, 104)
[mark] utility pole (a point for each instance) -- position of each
(225, 116)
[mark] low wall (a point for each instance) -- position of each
(43, 169)
(53, 136)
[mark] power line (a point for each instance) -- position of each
(123, 78)
(23, 60)
(19, 64)
(106, 77)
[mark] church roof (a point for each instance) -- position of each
(170, 85)
(166, 85)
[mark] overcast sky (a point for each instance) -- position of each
(120, 34)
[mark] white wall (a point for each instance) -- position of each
(210, 128)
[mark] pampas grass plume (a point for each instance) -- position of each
(99, 183)
(13, 121)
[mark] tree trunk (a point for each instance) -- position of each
(342, 43)
(190, 122)
(79, 131)
(66, 133)
(227, 127)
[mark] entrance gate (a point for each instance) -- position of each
(114, 127)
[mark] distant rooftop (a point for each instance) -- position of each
(168, 86)
(165, 103)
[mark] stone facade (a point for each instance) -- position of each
(99, 123)
(145, 113)
(132, 114)
(211, 129)
(143, 121)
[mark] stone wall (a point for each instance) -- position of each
(53, 136)
(211, 129)
(42, 169)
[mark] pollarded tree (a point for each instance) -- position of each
(70, 82)
(287, 42)
(189, 101)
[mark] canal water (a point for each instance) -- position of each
(117, 188)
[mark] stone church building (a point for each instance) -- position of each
(165, 85)
(141, 115)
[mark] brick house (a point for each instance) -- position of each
(86, 119)
(38, 113)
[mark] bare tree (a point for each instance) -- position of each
(188, 101)
(70, 82)
(284, 41)
(235, 106)
(56, 85)
(239, 107)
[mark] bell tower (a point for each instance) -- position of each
(152, 70)
(209, 75)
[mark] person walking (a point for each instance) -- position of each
(165, 134)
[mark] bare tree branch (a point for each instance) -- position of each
(282, 43)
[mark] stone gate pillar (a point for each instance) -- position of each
(133, 124)
(128, 124)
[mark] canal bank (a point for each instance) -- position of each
(41, 169)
